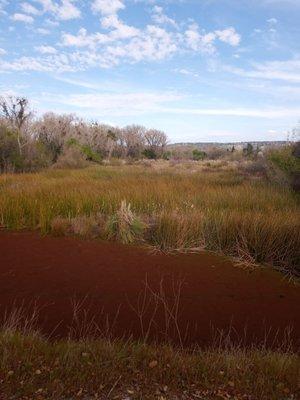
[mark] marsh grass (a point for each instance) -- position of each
(171, 208)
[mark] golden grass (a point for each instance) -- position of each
(219, 210)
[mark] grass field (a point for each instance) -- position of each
(218, 209)
(31, 367)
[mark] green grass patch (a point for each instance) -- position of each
(33, 367)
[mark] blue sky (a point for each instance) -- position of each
(201, 70)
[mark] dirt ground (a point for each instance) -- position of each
(127, 291)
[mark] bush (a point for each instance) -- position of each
(150, 153)
(284, 159)
(285, 165)
(198, 155)
(214, 153)
(10, 158)
(87, 151)
(90, 154)
(72, 157)
(33, 156)
(257, 168)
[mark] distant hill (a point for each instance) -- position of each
(255, 144)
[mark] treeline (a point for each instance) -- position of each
(28, 143)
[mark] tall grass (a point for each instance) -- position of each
(215, 210)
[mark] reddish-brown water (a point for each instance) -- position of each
(108, 280)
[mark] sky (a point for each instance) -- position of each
(201, 70)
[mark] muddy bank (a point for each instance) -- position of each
(127, 291)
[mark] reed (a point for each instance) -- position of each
(217, 210)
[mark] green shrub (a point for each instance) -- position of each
(285, 166)
(10, 158)
(284, 159)
(150, 153)
(86, 150)
(90, 154)
(198, 155)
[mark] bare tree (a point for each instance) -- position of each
(156, 141)
(29, 143)
(103, 138)
(16, 111)
(133, 140)
(54, 130)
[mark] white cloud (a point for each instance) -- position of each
(67, 11)
(46, 49)
(268, 35)
(187, 72)
(22, 18)
(107, 7)
(205, 42)
(50, 63)
(116, 41)
(51, 22)
(3, 4)
(138, 103)
(120, 104)
(29, 9)
(272, 21)
(238, 112)
(43, 31)
(2, 52)
(48, 5)
(288, 70)
(121, 30)
(83, 39)
(64, 10)
(229, 36)
(160, 17)
(153, 44)
(127, 43)
(78, 82)
(200, 42)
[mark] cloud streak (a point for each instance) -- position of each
(238, 112)
(288, 70)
